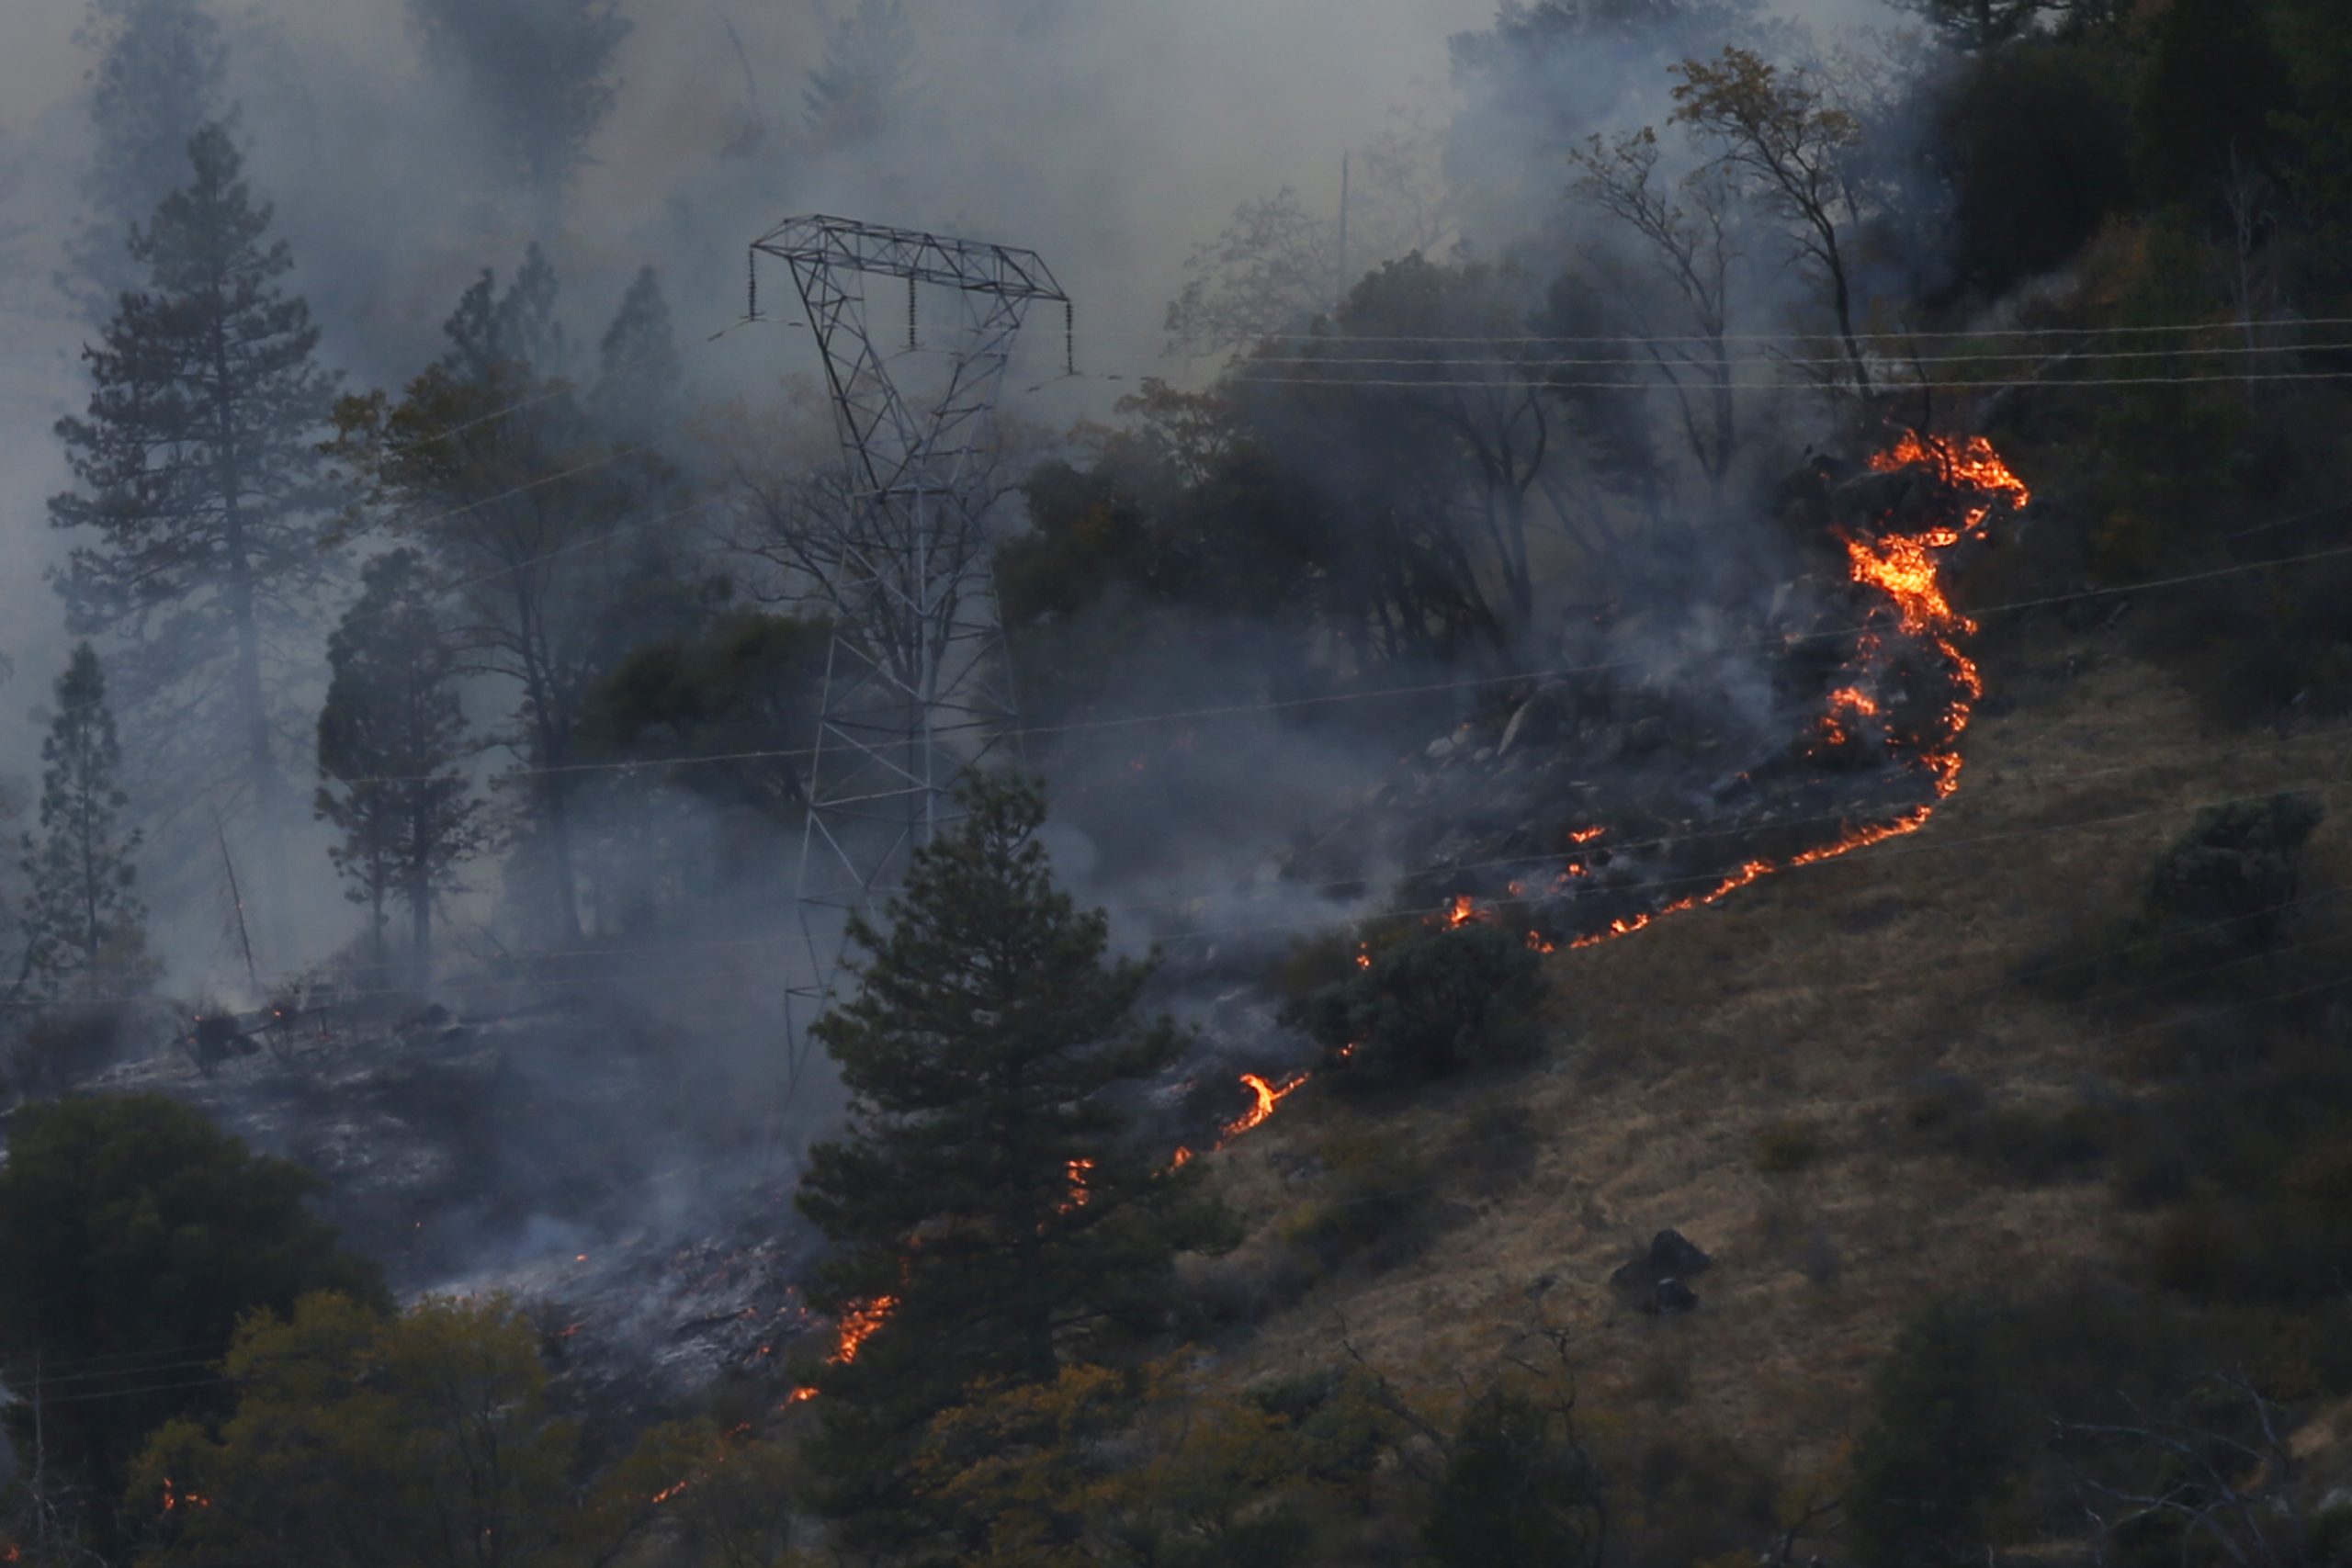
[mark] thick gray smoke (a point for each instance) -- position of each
(1113, 139)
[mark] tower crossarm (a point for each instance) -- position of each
(884, 251)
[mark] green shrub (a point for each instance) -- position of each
(1374, 1207)
(1518, 1488)
(2224, 890)
(2027, 1145)
(61, 1045)
(1941, 1443)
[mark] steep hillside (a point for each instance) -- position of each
(1844, 1083)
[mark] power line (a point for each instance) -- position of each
(129, 1392)
(1695, 363)
(1462, 683)
(210, 1346)
(1547, 384)
(48, 1380)
(2292, 323)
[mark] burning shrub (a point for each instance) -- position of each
(1446, 1001)
(2226, 890)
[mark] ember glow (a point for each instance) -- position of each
(1077, 1174)
(172, 1499)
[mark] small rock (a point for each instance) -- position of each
(1439, 749)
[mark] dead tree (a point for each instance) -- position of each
(2235, 1493)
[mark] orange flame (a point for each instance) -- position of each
(1269, 1096)
(1905, 568)
(859, 1321)
(725, 1438)
(858, 1325)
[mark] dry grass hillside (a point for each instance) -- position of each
(1790, 1079)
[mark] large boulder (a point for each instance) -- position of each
(1654, 1280)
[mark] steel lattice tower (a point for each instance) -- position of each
(916, 689)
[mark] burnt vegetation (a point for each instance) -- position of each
(1753, 638)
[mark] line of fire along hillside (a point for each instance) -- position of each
(1905, 570)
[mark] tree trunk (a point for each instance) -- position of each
(251, 706)
(419, 894)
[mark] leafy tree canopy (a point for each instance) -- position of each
(132, 1229)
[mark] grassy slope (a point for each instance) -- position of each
(1826, 995)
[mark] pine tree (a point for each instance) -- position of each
(868, 58)
(511, 334)
(157, 81)
(84, 928)
(639, 384)
(201, 479)
(536, 512)
(987, 1186)
(541, 70)
(390, 737)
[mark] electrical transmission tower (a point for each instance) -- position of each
(916, 684)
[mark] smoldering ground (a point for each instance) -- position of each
(567, 1097)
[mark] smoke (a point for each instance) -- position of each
(1111, 139)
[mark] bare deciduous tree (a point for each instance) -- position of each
(1778, 132)
(1689, 232)
(2231, 1487)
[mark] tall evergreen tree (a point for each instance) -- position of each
(640, 383)
(85, 927)
(156, 79)
(14, 231)
(868, 59)
(200, 488)
(542, 72)
(986, 1204)
(538, 513)
(513, 334)
(390, 739)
